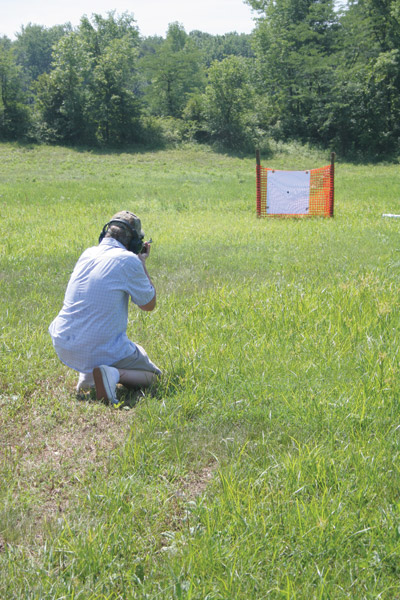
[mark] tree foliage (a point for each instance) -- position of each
(295, 45)
(228, 101)
(61, 94)
(174, 72)
(88, 95)
(308, 71)
(218, 47)
(34, 48)
(14, 114)
(331, 77)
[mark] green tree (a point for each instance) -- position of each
(295, 44)
(218, 47)
(364, 109)
(34, 47)
(113, 108)
(383, 84)
(174, 72)
(98, 32)
(329, 76)
(61, 95)
(228, 105)
(14, 114)
(150, 45)
(88, 96)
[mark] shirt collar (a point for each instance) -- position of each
(109, 241)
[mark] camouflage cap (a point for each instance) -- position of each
(132, 219)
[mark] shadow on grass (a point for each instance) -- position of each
(126, 398)
(269, 148)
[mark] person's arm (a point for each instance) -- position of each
(143, 257)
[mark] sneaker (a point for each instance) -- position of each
(105, 385)
(85, 383)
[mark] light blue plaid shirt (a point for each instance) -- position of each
(90, 329)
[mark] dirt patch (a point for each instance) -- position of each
(197, 482)
(68, 451)
(52, 447)
(49, 450)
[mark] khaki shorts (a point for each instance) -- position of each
(138, 361)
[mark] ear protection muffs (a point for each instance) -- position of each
(136, 243)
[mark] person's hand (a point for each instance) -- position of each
(145, 253)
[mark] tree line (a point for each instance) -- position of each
(310, 71)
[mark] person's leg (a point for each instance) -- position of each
(106, 380)
(135, 371)
(137, 379)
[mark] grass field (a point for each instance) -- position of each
(266, 465)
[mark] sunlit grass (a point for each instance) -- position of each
(266, 464)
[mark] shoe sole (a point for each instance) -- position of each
(103, 391)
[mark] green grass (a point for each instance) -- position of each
(266, 465)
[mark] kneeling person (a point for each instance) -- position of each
(89, 333)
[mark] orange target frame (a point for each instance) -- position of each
(314, 197)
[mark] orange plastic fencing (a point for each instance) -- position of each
(299, 193)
